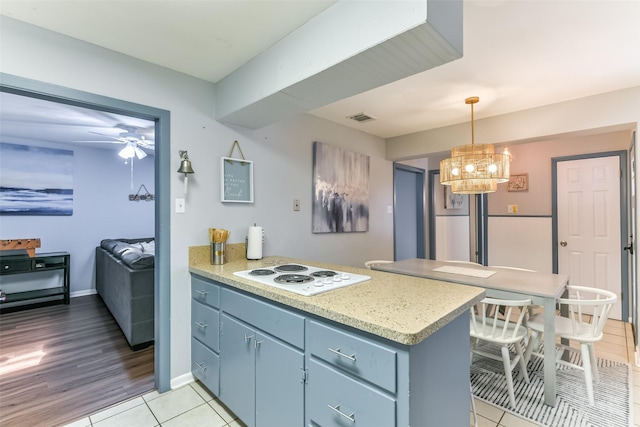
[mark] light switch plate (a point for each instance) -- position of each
(512, 209)
(296, 204)
(180, 206)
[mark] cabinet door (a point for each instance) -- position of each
(336, 400)
(279, 384)
(237, 368)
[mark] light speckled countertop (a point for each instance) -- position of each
(400, 308)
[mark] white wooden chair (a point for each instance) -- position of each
(489, 325)
(368, 264)
(588, 312)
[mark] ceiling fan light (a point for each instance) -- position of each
(140, 154)
(127, 152)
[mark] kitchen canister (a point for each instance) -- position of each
(255, 236)
(218, 238)
(217, 253)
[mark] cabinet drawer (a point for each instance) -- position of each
(205, 366)
(283, 324)
(359, 404)
(205, 325)
(15, 265)
(205, 292)
(360, 357)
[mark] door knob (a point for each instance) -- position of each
(563, 243)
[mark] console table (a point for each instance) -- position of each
(23, 264)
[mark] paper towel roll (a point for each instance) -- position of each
(254, 243)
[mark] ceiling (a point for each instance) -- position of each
(518, 54)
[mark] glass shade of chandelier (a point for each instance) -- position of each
(475, 169)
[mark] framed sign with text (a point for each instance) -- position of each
(236, 180)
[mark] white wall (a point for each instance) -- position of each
(523, 242)
(281, 152)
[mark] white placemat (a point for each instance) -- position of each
(465, 271)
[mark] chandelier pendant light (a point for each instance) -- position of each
(475, 169)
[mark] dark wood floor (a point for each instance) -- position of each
(64, 362)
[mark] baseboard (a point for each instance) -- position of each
(182, 380)
(83, 293)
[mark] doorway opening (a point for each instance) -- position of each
(590, 223)
(161, 119)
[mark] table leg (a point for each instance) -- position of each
(549, 352)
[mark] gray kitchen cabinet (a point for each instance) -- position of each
(261, 376)
(205, 333)
(351, 378)
(279, 366)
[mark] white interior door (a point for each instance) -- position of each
(589, 251)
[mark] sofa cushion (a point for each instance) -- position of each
(135, 253)
(136, 259)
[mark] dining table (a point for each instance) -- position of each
(499, 282)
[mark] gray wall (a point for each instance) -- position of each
(281, 152)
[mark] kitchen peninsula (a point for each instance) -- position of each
(391, 351)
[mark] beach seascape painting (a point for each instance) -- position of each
(35, 180)
(340, 190)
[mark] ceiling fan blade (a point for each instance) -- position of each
(103, 142)
(109, 136)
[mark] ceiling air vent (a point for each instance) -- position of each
(361, 117)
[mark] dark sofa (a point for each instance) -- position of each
(125, 282)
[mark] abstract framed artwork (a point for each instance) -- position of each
(452, 200)
(35, 180)
(340, 190)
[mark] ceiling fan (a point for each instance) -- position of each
(134, 142)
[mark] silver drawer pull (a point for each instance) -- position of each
(202, 367)
(247, 338)
(351, 417)
(340, 353)
(201, 324)
(202, 293)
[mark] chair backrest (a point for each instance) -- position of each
(588, 310)
(498, 319)
(368, 264)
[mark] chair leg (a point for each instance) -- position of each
(586, 364)
(506, 361)
(594, 363)
(534, 342)
(523, 364)
(473, 407)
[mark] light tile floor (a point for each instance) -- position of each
(192, 405)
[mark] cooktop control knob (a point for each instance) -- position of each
(328, 280)
(345, 276)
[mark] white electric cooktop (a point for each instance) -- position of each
(302, 279)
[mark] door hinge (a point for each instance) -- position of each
(305, 376)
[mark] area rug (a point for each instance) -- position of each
(612, 395)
